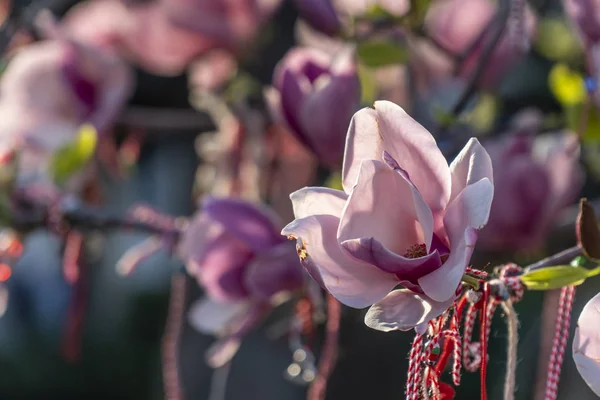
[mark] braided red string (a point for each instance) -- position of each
(414, 368)
(559, 343)
(484, 335)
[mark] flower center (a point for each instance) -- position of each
(416, 251)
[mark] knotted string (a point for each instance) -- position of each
(561, 335)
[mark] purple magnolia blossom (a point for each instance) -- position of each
(235, 251)
(586, 344)
(315, 94)
(451, 24)
(320, 14)
(535, 179)
(404, 217)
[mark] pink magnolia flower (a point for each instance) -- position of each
(451, 24)
(306, 83)
(49, 90)
(141, 33)
(404, 218)
(233, 23)
(586, 344)
(235, 251)
(535, 179)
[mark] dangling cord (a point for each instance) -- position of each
(318, 389)
(513, 339)
(73, 259)
(483, 334)
(170, 342)
(414, 368)
(561, 335)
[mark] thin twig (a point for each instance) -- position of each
(470, 89)
(564, 257)
(170, 342)
(318, 390)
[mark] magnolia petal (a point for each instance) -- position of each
(472, 164)
(464, 216)
(410, 269)
(353, 282)
(386, 206)
(320, 14)
(417, 153)
(402, 310)
(324, 126)
(214, 317)
(254, 225)
(586, 344)
(317, 201)
(273, 272)
(292, 95)
(363, 142)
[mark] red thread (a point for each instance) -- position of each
(483, 334)
(414, 368)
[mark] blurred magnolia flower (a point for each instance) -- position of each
(147, 36)
(231, 23)
(586, 344)
(451, 24)
(49, 90)
(315, 95)
(320, 14)
(535, 179)
(404, 217)
(235, 251)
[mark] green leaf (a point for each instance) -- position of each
(379, 53)
(368, 85)
(74, 156)
(442, 117)
(556, 40)
(555, 277)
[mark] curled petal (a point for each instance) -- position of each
(402, 310)
(318, 201)
(353, 282)
(417, 153)
(406, 269)
(472, 164)
(464, 216)
(386, 206)
(253, 225)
